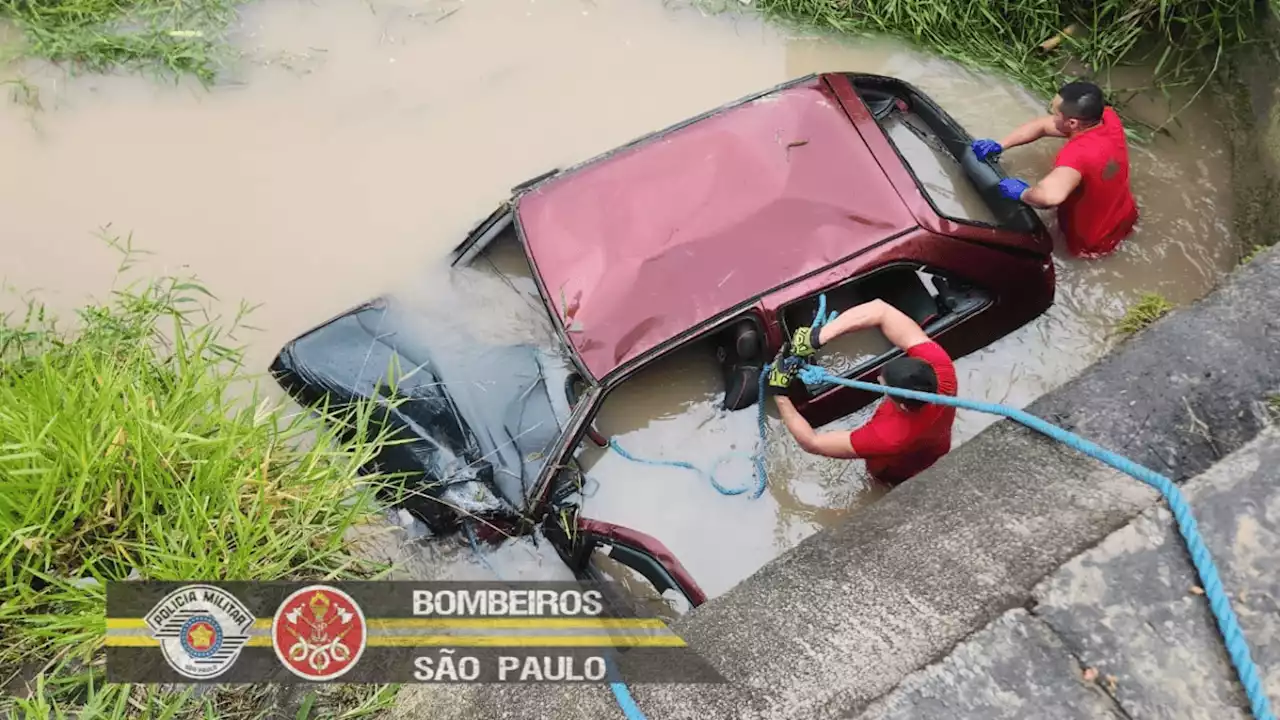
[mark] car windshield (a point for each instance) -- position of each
(485, 335)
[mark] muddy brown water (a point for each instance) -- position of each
(357, 142)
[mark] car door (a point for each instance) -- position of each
(581, 542)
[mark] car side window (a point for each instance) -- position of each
(935, 150)
(927, 296)
(942, 179)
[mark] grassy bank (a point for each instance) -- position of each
(184, 37)
(129, 449)
(1037, 42)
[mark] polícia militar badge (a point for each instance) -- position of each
(319, 633)
(201, 630)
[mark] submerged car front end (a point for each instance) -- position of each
(483, 406)
(468, 423)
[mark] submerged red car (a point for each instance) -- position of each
(726, 228)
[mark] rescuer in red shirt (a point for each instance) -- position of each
(903, 437)
(1089, 184)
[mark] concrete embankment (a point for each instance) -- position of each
(1123, 630)
(850, 614)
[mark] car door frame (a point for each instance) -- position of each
(580, 427)
(661, 561)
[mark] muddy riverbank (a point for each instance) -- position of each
(357, 144)
(1251, 99)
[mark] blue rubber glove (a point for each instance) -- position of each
(986, 148)
(1013, 188)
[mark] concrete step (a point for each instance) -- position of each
(1122, 630)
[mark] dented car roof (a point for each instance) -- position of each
(638, 246)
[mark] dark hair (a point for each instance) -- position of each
(1082, 100)
(910, 373)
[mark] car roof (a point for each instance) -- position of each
(638, 246)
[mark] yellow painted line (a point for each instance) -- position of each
(458, 623)
(516, 623)
(460, 641)
(131, 641)
(526, 641)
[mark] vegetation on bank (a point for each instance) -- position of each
(1253, 253)
(133, 447)
(1150, 308)
(183, 37)
(1036, 42)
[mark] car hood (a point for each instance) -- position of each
(475, 419)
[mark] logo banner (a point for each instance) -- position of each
(390, 632)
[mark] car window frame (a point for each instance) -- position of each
(872, 364)
(1035, 225)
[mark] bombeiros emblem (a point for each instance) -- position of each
(319, 633)
(201, 630)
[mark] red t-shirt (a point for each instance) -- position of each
(1101, 211)
(897, 443)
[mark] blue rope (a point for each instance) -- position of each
(821, 318)
(711, 476)
(620, 691)
(626, 702)
(761, 472)
(475, 548)
(818, 316)
(1237, 646)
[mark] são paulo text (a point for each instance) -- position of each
(444, 667)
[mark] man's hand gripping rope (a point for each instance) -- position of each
(794, 356)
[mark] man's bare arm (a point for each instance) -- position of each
(900, 330)
(1031, 131)
(1053, 189)
(831, 444)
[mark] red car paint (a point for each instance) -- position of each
(670, 233)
